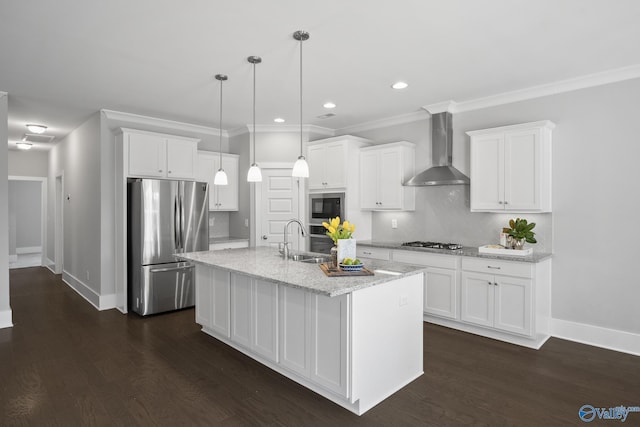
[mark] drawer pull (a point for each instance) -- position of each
(493, 268)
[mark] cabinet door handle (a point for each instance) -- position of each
(366, 253)
(506, 203)
(500, 202)
(159, 170)
(489, 282)
(493, 268)
(495, 283)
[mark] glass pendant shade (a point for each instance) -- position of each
(220, 178)
(254, 174)
(300, 168)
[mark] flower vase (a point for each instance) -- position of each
(346, 249)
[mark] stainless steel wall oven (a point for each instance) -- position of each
(322, 207)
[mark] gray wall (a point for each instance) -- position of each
(28, 163)
(78, 157)
(5, 309)
(25, 208)
(595, 198)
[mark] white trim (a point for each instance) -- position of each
(29, 250)
(568, 85)
(3, 94)
(81, 288)
(282, 129)
(107, 302)
(612, 339)
(120, 116)
(50, 265)
(13, 258)
(386, 122)
(5, 319)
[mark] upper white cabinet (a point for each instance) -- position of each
(383, 169)
(156, 155)
(511, 168)
(221, 197)
(330, 160)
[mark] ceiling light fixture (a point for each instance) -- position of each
(23, 145)
(399, 85)
(36, 128)
(254, 174)
(221, 175)
(301, 168)
(278, 120)
(329, 105)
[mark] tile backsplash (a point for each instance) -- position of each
(218, 224)
(442, 214)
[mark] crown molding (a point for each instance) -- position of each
(283, 129)
(562, 86)
(386, 122)
(137, 119)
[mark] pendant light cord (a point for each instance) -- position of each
(254, 114)
(301, 39)
(220, 130)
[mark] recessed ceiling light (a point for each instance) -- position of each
(36, 128)
(278, 120)
(23, 145)
(399, 85)
(329, 105)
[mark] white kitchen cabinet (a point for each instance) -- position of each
(383, 169)
(371, 252)
(441, 281)
(332, 161)
(511, 168)
(221, 197)
(313, 337)
(493, 296)
(213, 309)
(156, 155)
(232, 244)
(254, 316)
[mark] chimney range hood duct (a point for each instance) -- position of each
(441, 173)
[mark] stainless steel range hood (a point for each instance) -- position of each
(442, 172)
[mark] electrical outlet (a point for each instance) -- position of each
(246, 222)
(212, 220)
(88, 275)
(394, 223)
(403, 300)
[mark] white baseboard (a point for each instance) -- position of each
(50, 265)
(100, 302)
(13, 258)
(5, 319)
(29, 250)
(611, 339)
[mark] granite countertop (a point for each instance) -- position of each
(213, 240)
(267, 264)
(468, 251)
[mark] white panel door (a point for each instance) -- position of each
(316, 159)
(513, 305)
(241, 309)
(228, 194)
(390, 178)
(441, 292)
(295, 330)
(334, 165)
(265, 319)
(369, 180)
(277, 201)
(477, 298)
(181, 159)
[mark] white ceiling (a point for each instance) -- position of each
(61, 61)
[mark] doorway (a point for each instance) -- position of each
(278, 199)
(27, 204)
(59, 225)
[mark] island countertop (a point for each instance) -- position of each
(267, 264)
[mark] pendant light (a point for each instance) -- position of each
(254, 174)
(221, 175)
(301, 168)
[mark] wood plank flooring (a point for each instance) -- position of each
(66, 364)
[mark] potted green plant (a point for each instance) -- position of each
(521, 232)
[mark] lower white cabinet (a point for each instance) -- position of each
(314, 332)
(213, 292)
(371, 252)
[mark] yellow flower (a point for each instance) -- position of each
(332, 229)
(345, 225)
(325, 225)
(353, 228)
(338, 231)
(335, 222)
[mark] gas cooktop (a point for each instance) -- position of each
(434, 245)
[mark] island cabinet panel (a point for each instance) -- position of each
(241, 310)
(213, 310)
(264, 339)
(295, 327)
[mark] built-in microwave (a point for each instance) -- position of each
(322, 207)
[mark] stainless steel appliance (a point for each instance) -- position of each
(165, 218)
(322, 207)
(434, 245)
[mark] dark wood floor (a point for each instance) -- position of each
(65, 363)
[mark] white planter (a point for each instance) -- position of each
(346, 249)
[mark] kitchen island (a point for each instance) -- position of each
(354, 340)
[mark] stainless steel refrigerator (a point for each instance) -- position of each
(165, 218)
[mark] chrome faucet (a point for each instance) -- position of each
(285, 245)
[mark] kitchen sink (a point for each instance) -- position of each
(311, 259)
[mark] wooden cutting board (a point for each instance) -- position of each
(338, 272)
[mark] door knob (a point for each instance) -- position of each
(264, 237)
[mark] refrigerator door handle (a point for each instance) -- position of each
(181, 222)
(167, 269)
(176, 236)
